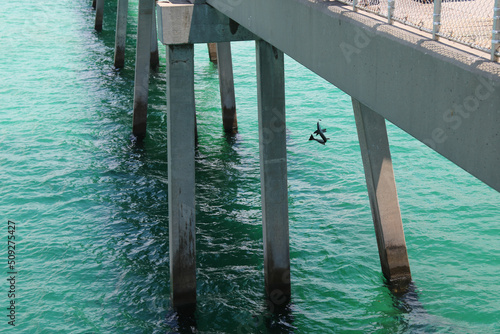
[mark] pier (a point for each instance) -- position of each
(442, 94)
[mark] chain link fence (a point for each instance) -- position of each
(471, 22)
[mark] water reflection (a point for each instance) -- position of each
(279, 318)
(412, 316)
(272, 319)
(405, 298)
(182, 320)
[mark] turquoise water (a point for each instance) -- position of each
(90, 204)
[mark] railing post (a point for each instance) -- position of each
(390, 10)
(495, 36)
(354, 4)
(436, 21)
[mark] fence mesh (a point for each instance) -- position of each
(379, 7)
(415, 13)
(469, 22)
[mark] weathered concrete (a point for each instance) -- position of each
(121, 32)
(155, 58)
(226, 85)
(181, 22)
(142, 64)
(382, 192)
(181, 173)
(443, 96)
(273, 169)
(99, 13)
(212, 52)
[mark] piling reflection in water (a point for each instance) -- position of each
(182, 320)
(406, 300)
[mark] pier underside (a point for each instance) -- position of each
(444, 97)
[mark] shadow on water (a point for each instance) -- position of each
(279, 318)
(411, 316)
(231, 138)
(182, 320)
(405, 298)
(273, 319)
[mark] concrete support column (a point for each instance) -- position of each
(226, 84)
(93, 3)
(121, 32)
(273, 170)
(99, 13)
(212, 52)
(142, 64)
(181, 174)
(154, 60)
(382, 192)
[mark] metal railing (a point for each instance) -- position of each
(475, 23)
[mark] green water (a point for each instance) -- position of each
(90, 204)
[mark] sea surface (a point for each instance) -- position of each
(89, 202)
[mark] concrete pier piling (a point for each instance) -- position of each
(273, 170)
(226, 84)
(154, 57)
(382, 193)
(142, 65)
(121, 36)
(180, 25)
(99, 13)
(121, 32)
(181, 173)
(212, 52)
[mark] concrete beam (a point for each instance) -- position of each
(181, 22)
(382, 192)
(273, 170)
(443, 96)
(142, 64)
(181, 173)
